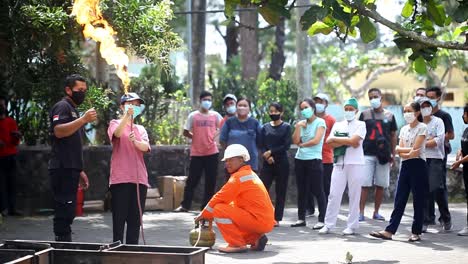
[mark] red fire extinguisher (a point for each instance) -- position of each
(79, 202)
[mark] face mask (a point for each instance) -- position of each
(320, 108)
(242, 110)
(433, 102)
(375, 103)
(78, 97)
(136, 110)
(417, 98)
(206, 104)
(231, 109)
(275, 117)
(307, 113)
(426, 111)
(349, 115)
(409, 117)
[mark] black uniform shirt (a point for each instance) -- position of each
(67, 152)
(277, 139)
(448, 127)
(464, 144)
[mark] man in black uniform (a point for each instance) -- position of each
(66, 161)
(440, 195)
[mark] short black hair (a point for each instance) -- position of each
(435, 89)
(309, 101)
(71, 80)
(417, 108)
(277, 106)
(205, 94)
(245, 99)
(465, 109)
(374, 90)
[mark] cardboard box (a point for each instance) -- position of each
(179, 186)
(153, 193)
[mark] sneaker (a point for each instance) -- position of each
(299, 223)
(180, 209)
(348, 231)
(448, 226)
(362, 218)
(378, 217)
(324, 230)
(318, 225)
(463, 232)
(424, 228)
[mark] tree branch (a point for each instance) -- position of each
(429, 42)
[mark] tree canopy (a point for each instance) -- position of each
(424, 27)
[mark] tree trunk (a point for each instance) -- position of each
(277, 56)
(231, 40)
(303, 68)
(198, 33)
(249, 44)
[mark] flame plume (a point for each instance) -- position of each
(89, 15)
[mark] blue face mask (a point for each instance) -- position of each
(206, 104)
(433, 102)
(375, 103)
(349, 115)
(320, 108)
(231, 109)
(136, 110)
(307, 113)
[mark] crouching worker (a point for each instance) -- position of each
(242, 209)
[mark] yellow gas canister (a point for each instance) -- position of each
(202, 235)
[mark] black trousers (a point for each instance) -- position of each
(327, 172)
(465, 180)
(278, 172)
(64, 184)
(198, 165)
(125, 211)
(309, 179)
(8, 183)
(438, 194)
(413, 178)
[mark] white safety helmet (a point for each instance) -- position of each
(236, 150)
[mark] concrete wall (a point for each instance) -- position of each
(34, 191)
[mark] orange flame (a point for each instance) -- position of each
(89, 15)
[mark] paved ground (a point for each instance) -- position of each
(287, 245)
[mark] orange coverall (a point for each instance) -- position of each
(242, 209)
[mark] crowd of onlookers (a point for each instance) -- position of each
(356, 153)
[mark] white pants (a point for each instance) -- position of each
(342, 175)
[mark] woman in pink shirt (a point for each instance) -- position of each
(129, 143)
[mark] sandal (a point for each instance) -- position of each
(414, 238)
(380, 235)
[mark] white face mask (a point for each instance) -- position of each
(426, 111)
(409, 117)
(349, 115)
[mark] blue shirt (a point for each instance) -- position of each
(246, 133)
(307, 134)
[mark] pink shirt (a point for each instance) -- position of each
(203, 128)
(127, 163)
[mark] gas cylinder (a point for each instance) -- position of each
(79, 202)
(203, 232)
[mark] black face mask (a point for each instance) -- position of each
(275, 117)
(78, 97)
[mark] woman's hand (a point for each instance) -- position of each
(131, 137)
(455, 165)
(301, 123)
(84, 182)
(267, 154)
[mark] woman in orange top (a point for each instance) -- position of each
(242, 209)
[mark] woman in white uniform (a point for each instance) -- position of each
(347, 170)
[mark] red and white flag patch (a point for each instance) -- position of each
(55, 118)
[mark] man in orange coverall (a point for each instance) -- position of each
(242, 209)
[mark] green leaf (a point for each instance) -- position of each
(436, 12)
(419, 65)
(408, 9)
(459, 30)
(367, 29)
(339, 13)
(319, 27)
(269, 15)
(311, 16)
(461, 14)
